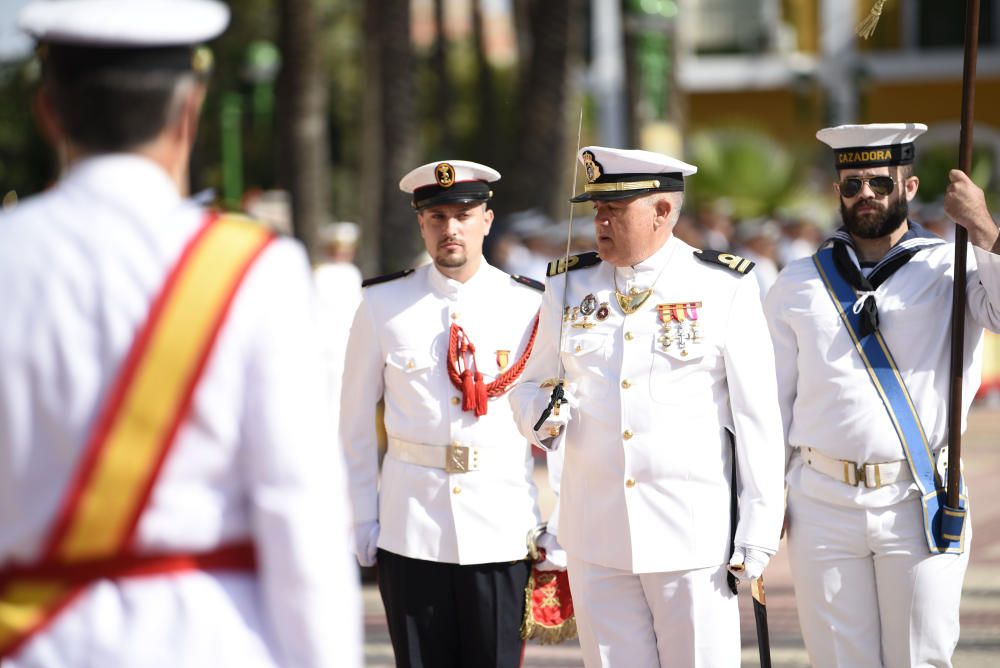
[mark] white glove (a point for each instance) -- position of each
(748, 563)
(560, 416)
(366, 542)
(555, 556)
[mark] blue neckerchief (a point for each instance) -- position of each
(943, 526)
(846, 260)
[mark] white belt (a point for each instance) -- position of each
(854, 474)
(454, 458)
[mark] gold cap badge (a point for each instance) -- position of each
(592, 166)
(444, 174)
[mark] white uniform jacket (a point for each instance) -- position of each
(828, 401)
(646, 477)
(256, 459)
(398, 351)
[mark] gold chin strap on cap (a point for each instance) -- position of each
(620, 186)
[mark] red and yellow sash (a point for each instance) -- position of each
(93, 531)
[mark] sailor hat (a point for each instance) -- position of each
(87, 35)
(615, 173)
(339, 234)
(449, 182)
(872, 145)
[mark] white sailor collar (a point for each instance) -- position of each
(648, 270)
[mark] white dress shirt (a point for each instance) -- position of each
(398, 351)
(828, 401)
(256, 459)
(645, 483)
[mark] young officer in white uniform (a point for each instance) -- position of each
(666, 357)
(874, 585)
(253, 464)
(448, 521)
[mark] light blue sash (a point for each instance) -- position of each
(944, 527)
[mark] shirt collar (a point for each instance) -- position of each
(648, 270)
(132, 181)
(449, 286)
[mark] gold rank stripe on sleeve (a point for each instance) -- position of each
(137, 424)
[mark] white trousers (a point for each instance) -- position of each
(655, 620)
(868, 591)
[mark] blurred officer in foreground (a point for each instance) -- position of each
(170, 489)
(666, 358)
(443, 344)
(861, 334)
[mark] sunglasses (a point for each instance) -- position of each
(880, 185)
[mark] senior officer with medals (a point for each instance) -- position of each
(169, 495)
(861, 335)
(447, 522)
(666, 359)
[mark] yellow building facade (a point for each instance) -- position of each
(812, 70)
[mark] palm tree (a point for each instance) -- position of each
(302, 127)
(390, 132)
(533, 177)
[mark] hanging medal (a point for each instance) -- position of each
(679, 326)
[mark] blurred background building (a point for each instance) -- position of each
(330, 101)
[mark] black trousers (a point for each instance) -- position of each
(451, 616)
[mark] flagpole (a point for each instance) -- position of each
(961, 253)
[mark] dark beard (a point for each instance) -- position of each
(875, 225)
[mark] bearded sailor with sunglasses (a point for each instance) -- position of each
(861, 334)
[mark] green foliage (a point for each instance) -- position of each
(934, 163)
(26, 163)
(747, 168)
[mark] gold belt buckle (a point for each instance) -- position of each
(860, 472)
(461, 459)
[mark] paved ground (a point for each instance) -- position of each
(980, 643)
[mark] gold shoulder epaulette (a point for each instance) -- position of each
(580, 261)
(740, 265)
(386, 278)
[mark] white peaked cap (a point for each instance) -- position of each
(617, 173)
(124, 23)
(427, 175)
(449, 181)
(636, 161)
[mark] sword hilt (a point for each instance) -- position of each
(557, 398)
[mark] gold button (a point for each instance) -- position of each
(410, 364)
(628, 336)
(626, 384)
(457, 490)
(454, 316)
(630, 483)
(579, 348)
(455, 401)
(627, 434)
